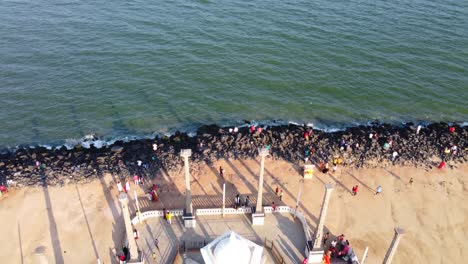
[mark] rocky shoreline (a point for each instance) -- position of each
(424, 147)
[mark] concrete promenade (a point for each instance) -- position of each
(282, 228)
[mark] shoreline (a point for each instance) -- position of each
(59, 166)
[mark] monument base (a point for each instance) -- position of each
(258, 218)
(189, 221)
(315, 256)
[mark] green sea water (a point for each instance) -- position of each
(133, 68)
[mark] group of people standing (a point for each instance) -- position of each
(238, 201)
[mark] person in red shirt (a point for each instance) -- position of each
(355, 190)
(326, 257)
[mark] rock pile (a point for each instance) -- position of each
(362, 146)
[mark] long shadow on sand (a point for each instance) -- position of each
(87, 223)
(54, 236)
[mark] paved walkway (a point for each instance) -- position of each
(283, 229)
(175, 200)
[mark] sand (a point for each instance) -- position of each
(80, 223)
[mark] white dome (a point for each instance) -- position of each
(232, 250)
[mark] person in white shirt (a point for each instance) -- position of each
(119, 186)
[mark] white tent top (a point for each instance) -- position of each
(231, 248)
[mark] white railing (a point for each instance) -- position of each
(219, 211)
(240, 210)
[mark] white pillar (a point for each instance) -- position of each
(138, 207)
(186, 153)
(316, 254)
(364, 256)
(393, 247)
(258, 218)
(132, 246)
(263, 152)
(298, 200)
(323, 214)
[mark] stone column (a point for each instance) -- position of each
(132, 246)
(393, 247)
(189, 219)
(258, 217)
(298, 199)
(315, 256)
(263, 152)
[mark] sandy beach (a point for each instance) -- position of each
(79, 223)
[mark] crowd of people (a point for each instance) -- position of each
(338, 248)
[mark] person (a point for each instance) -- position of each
(341, 238)
(247, 201)
(169, 217)
(281, 195)
(122, 258)
(442, 164)
(335, 167)
(394, 155)
(127, 186)
(411, 181)
(345, 249)
(3, 189)
(236, 129)
(322, 166)
(376, 137)
(237, 201)
(326, 169)
(221, 172)
(155, 147)
(119, 186)
(379, 190)
(252, 129)
(136, 179)
(332, 247)
(386, 146)
(326, 257)
(325, 238)
(136, 234)
(126, 253)
(139, 162)
(355, 190)
(454, 149)
(276, 190)
(154, 194)
(273, 206)
(446, 150)
(342, 143)
(418, 129)
(305, 261)
(154, 255)
(451, 129)
(156, 243)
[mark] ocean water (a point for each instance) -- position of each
(133, 68)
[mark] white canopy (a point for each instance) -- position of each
(231, 248)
